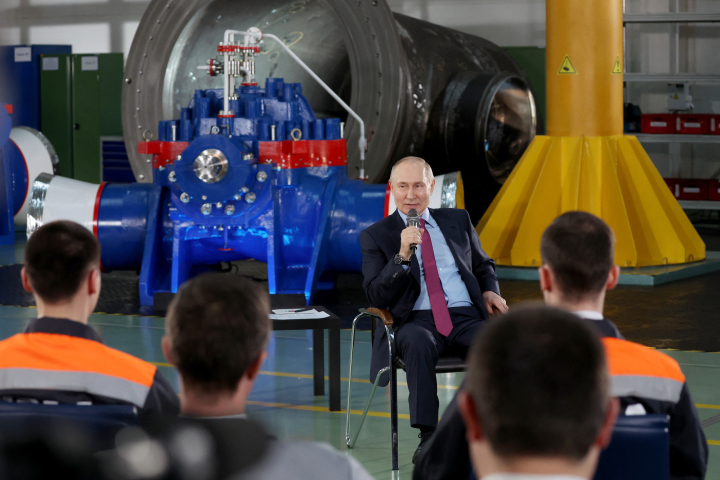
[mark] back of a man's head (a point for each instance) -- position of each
(579, 248)
(539, 382)
(58, 257)
(217, 326)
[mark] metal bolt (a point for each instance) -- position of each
(215, 130)
(142, 176)
(184, 197)
(179, 157)
(172, 177)
(237, 196)
(244, 189)
(218, 204)
(204, 197)
(229, 209)
(261, 176)
(250, 197)
(248, 156)
(206, 209)
(148, 160)
(161, 168)
(128, 81)
(220, 228)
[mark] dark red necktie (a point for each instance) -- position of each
(434, 286)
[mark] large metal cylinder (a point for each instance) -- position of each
(584, 68)
(456, 99)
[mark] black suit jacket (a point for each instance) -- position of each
(391, 287)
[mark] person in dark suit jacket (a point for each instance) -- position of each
(439, 296)
(578, 269)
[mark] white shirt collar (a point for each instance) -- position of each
(530, 476)
(425, 216)
(589, 314)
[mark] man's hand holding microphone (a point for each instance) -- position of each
(411, 236)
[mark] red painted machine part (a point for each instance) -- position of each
(304, 153)
(164, 153)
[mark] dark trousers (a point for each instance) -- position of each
(420, 346)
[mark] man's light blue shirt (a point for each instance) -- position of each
(456, 293)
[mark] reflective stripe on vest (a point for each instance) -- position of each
(639, 371)
(50, 361)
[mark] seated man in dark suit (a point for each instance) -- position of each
(537, 401)
(578, 252)
(438, 296)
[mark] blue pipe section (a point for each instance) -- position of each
(122, 225)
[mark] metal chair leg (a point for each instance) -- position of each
(351, 441)
(394, 417)
(393, 395)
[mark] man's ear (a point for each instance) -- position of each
(94, 281)
(613, 277)
(254, 368)
(546, 279)
(466, 405)
(432, 186)
(167, 351)
(25, 281)
(605, 435)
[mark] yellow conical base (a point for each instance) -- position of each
(611, 177)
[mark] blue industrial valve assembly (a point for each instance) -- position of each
(246, 172)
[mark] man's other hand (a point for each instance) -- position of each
(407, 237)
(494, 303)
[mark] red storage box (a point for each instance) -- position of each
(714, 190)
(688, 189)
(714, 124)
(693, 124)
(657, 123)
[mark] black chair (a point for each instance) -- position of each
(98, 424)
(639, 450)
(446, 364)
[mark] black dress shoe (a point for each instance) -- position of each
(424, 437)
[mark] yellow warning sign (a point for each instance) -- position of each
(617, 69)
(567, 67)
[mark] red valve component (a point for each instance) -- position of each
(242, 47)
(289, 154)
(226, 48)
(164, 153)
(252, 84)
(226, 116)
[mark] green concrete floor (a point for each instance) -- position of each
(283, 395)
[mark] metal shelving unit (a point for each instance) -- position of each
(672, 18)
(699, 205)
(674, 77)
(671, 77)
(658, 138)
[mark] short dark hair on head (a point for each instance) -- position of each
(218, 325)
(540, 384)
(580, 250)
(58, 256)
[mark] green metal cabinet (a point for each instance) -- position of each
(79, 103)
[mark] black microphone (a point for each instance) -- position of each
(413, 221)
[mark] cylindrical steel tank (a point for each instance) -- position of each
(455, 99)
